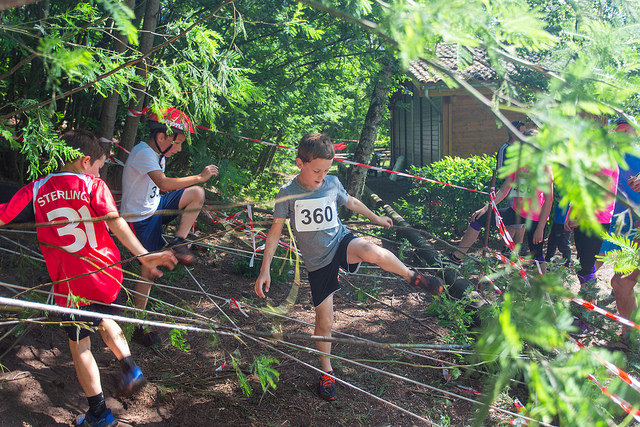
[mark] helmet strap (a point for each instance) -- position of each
(162, 152)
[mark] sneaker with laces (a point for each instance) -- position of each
(147, 339)
(181, 250)
(452, 260)
(131, 382)
(104, 420)
(327, 387)
(431, 284)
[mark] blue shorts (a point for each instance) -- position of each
(324, 281)
(149, 230)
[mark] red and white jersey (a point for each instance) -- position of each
(73, 248)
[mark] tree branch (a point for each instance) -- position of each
(115, 70)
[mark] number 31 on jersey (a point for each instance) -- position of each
(316, 214)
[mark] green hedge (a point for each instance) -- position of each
(440, 209)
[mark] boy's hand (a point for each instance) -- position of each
(208, 172)
(538, 235)
(151, 262)
(263, 279)
(634, 183)
(384, 221)
(570, 224)
(477, 214)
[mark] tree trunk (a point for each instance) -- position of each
(379, 101)
(110, 103)
(266, 155)
(131, 124)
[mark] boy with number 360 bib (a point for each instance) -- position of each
(311, 200)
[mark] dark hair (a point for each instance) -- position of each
(517, 123)
(87, 143)
(315, 146)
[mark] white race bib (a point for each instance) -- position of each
(316, 214)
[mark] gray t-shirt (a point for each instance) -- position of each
(314, 218)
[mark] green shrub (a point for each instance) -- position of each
(445, 210)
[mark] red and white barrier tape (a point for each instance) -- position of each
(469, 390)
(579, 301)
(115, 160)
(626, 406)
(237, 304)
(624, 376)
(113, 142)
(505, 260)
(520, 409)
(253, 235)
(240, 226)
(591, 307)
(499, 223)
(338, 146)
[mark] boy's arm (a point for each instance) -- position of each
(538, 235)
(500, 195)
(165, 183)
(264, 278)
(503, 191)
(150, 262)
(358, 207)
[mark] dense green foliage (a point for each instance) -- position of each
(443, 210)
(300, 71)
(274, 70)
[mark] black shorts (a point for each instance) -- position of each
(78, 332)
(509, 217)
(324, 281)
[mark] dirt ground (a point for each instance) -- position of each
(199, 386)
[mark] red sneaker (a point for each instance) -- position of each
(181, 250)
(431, 284)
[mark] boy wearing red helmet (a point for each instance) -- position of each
(142, 181)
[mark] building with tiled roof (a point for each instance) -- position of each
(430, 120)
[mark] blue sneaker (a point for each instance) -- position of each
(104, 420)
(131, 382)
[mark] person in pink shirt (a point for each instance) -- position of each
(588, 242)
(531, 211)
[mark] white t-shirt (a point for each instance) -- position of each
(140, 195)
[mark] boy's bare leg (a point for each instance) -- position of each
(140, 298)
(468, 238)
(114, 338)
(86, 366)
(324, 323)
(191, 201)
(516, 233)
(623, 289)
(360, 250)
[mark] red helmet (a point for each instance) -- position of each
(176, 119)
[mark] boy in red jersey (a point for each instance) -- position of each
(82, 259)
